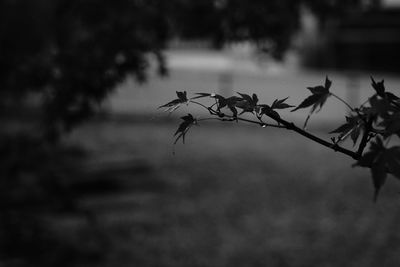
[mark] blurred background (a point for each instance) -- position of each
(88, 176)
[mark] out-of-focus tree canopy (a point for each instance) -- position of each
(74, 52)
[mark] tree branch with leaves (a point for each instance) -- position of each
(370, 126)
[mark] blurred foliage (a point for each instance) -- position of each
(75, 52)
(39, 194)
(270, 24)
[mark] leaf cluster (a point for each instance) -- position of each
(370, 126)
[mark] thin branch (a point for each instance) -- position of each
(335, 147)
(263, 124)
(198, 103)
(210, 109)
(208, 119)
(341, 100)
(287, 125)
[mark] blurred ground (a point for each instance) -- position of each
(235, 195)
(269, 199)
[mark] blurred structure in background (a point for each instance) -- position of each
(359, 40)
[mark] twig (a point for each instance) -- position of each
(341, 100)
(286, 125)
(335, 147)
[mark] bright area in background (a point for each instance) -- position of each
(391, 3)
(240, 70)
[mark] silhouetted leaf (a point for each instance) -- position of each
(174, 104)
(379, 87)
(377, 159)
(392, 124)
(184, 127)
(279, 104)
(392, 97)
(268, 111)
(200, 95)
(352, 128)
(317, 89)
(247, 103)
(379, 174)
(328, 83)
(393, 161)
(379, 106)
(309, 101)
(231, 103)
(318, 98)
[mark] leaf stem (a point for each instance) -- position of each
(341, 100)
(286, 125)
(364, 140)
(198, 103)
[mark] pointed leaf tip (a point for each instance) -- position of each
(184, 127)
(379, 87)
(328, 83)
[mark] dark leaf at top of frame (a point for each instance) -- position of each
(280, 104)
(184, 127)
(351, 128)
(174, 104)
(318, 98)
(379, 87)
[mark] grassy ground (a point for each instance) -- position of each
(236, 196)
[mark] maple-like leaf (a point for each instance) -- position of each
(280, 104)
(268, 111)
(176, 103)
(318, 98)
(392, 124)
(352, 128)
(379, 87)
(247, 103)
(382, 161)
(188, 121)
(229, 102)
(200, 95)
(375, 160)
(379, 106)
(393, 161)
